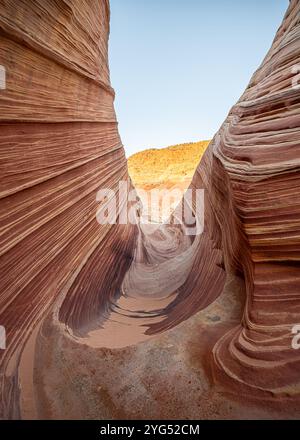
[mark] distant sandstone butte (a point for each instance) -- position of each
(168, 169)
(166, 166)
(64, 277)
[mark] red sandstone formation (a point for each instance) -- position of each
(60, 144)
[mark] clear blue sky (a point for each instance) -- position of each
(178, 66)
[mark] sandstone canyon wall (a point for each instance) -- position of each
(59, 144)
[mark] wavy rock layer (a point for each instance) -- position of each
(256, 153)
(60, 144)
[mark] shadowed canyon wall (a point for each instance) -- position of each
(59, 144)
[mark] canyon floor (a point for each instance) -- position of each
(165, 377)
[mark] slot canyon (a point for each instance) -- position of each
(108, 321)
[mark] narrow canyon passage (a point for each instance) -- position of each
(121, 320)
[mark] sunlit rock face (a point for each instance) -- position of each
(59, 145)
